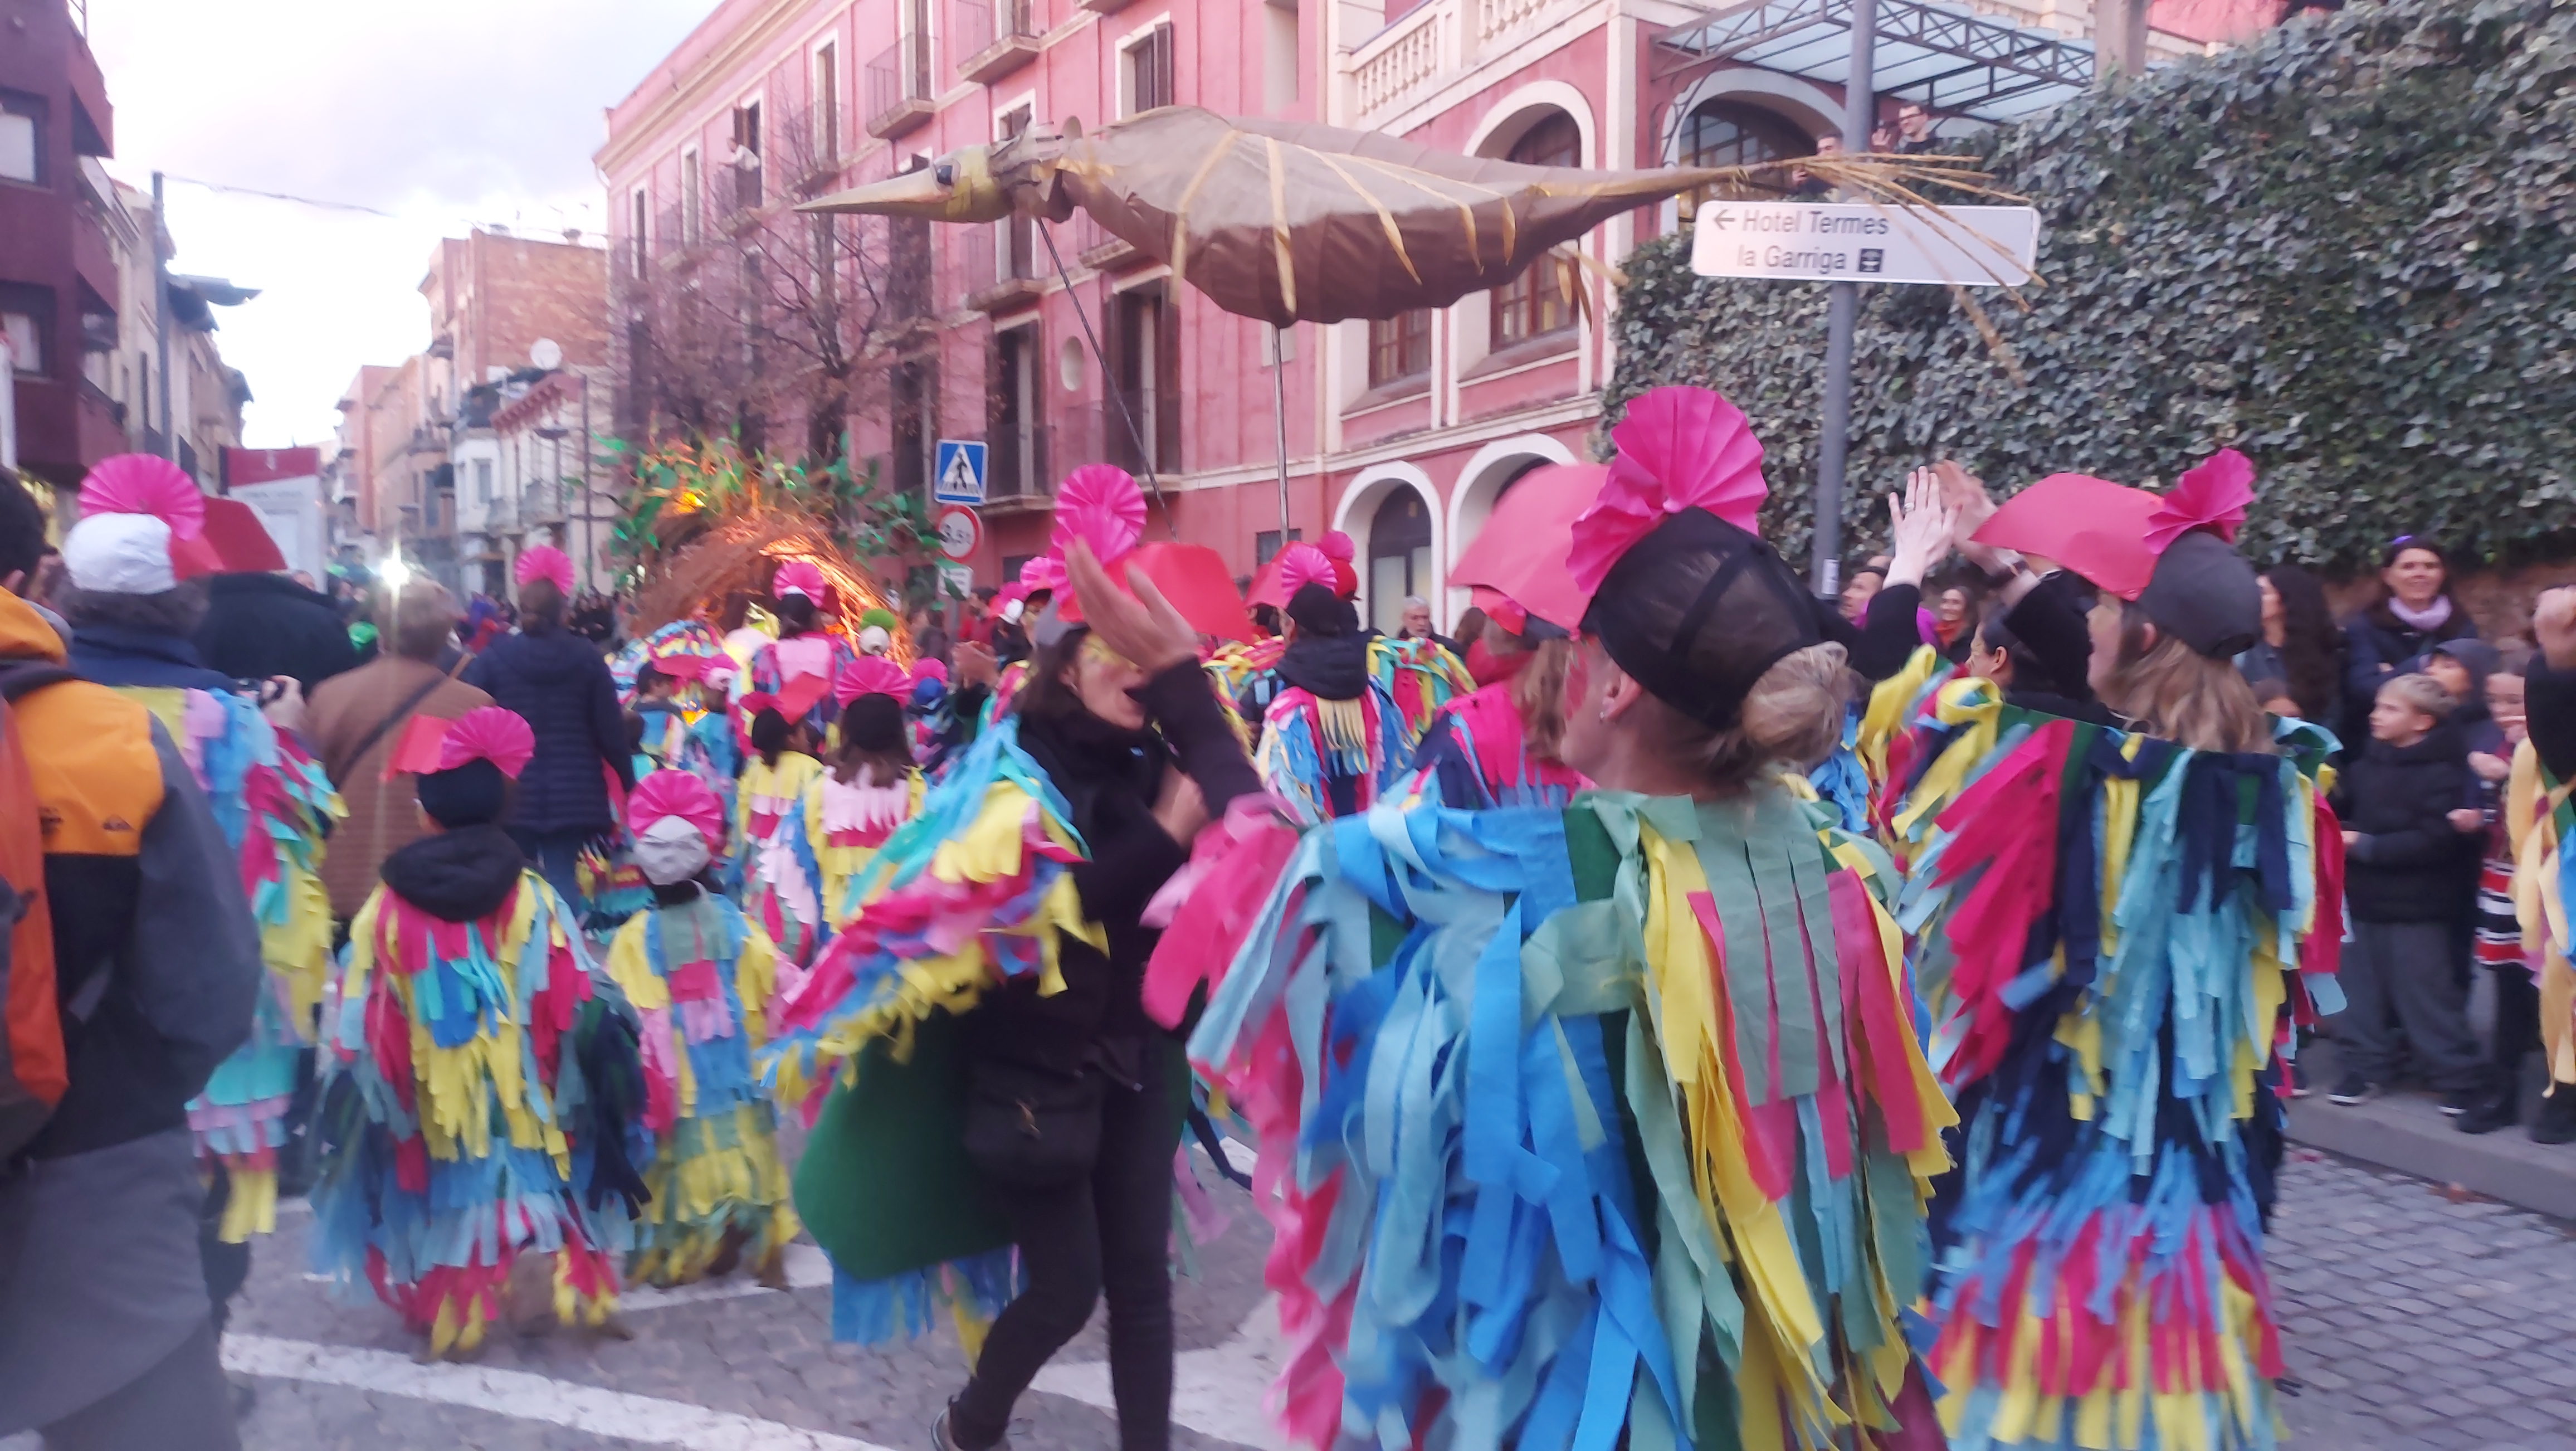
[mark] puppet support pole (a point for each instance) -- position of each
(1842, 313)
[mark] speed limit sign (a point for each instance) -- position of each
(959, 531)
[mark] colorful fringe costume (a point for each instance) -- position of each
(1579, 1125)
(467, 1044)
(1328, 758)
(852, 823)
(1418, 677)
(2115, 935)
(779, 854)
(274, 803)
(969, 892)
(2539, 819)
(699, 977)
(1476, 754)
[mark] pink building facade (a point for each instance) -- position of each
(1401, 433)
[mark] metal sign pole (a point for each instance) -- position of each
(1279, 412)
(1842, 313)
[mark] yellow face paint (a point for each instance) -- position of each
(1093, 650)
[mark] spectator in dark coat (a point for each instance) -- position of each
(2302, 647)
(260, 625)
(557, 681)
(2407, 883)
(2392, 637)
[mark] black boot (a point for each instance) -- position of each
(2557, 1123)
(2500, 1110)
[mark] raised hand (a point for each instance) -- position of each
(1923, 523)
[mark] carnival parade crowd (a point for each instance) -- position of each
(1675, 1008)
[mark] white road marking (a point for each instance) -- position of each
(1216, 1392)
(517, 1394)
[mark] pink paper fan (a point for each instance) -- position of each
(2212, 497)
(1101, 506)
(1043, 572)
(1301, 565)
(799, 577)
(488, 733)
(929, 669)
(142, 483)
(681, 794)
(549, 564)
(1679, 448)
(869, 675)
(1338, 545)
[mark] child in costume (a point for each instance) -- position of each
(776, 860)
(2117, 931)
(802, 649)
(871, 786)
(2498, 939)
(700, 978)
(1004, 1084)
(476, 1078)
(1605, 1122)
(141, 534)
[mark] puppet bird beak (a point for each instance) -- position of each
(958, 187)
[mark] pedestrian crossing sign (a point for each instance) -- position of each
(960, 475)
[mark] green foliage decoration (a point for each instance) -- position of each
(2343, 249)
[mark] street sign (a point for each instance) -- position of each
(1851, 242)
(959, 531)
(956, 581)
(960, 474)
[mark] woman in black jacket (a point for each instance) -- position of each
(2392, 636)
(1129, 731)
(557, 682)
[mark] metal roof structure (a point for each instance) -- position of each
(1954, 61)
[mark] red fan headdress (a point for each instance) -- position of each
(141, 530)
(1103, 507)
(799, 577)
(485, 733)
(1515, 566)
(549, 564)
(1338, 548)
(872, 675)
(666, 794)
(240, 540)
(1679, 448)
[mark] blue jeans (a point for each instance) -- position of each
(555, 854)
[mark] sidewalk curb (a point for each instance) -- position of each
(2409, 1133)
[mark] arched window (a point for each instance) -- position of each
(1729, 133)
(1541, 299)
(1399, 556)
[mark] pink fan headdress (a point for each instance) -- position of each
(488, 733)
(1100, 505)
(1044, 572)
(929, 669)
(2212, 497)
(1304, 564)
(549, 564)
(1679, 448)
(873, 675)
(665, 794)
(142, 483)
(799, 577)
(1338, 545)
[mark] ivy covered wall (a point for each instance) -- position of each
(2343, 250)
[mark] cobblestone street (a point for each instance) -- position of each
(2412, 1323)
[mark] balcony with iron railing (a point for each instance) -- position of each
(997, 37)
(1000, 264)
(896, 88)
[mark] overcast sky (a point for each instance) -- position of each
(443, 114)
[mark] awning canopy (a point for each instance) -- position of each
(1953, 61)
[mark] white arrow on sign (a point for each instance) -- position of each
(1847, 242)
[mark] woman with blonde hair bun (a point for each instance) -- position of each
(2120, 925)
(1609, 1115)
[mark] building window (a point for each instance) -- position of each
(22, 137)
(1725, 133)
(690, 196)
(1149, 70)
(1012, 430)
(827, 104)
(1017, 245)
(1541, 299)
(643, 224)
(1265, 545)
(1399, 347)
(746, 157)
(1399, 557)
(26, 315)
(483, 480)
